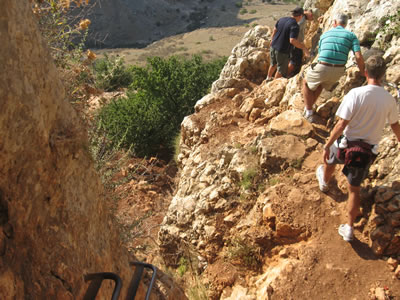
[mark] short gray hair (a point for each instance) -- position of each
(342, 19)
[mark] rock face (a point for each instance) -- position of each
(54, 221)
(241, 153)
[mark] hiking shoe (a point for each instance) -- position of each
(346, 232)
(323, 186)
(310, 118)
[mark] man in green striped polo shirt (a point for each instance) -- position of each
(334, 47)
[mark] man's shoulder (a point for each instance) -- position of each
(371, 90)
(287, 21)
(339, 30)
(359, 90)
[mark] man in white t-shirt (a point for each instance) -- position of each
(362, 114)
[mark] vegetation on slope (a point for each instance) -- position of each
(159, 97)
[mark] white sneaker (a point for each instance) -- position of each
(346, 232)
(309, 118)
(323, 186)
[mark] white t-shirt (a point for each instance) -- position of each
(368, 108)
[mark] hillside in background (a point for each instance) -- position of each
(138, 23)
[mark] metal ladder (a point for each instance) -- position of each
(97, 278)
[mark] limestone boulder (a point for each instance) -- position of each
(393, 74)
(248, 60)
(365, 15)
(277, 153)
(385, 222)
(328, 108)
(291, 122)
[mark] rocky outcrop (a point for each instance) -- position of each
(55, 224)
(245, 156)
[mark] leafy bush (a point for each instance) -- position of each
(242, 251)
(111, 73)
(248, 178)
(132, 122)
(161, 95)
(183, 266)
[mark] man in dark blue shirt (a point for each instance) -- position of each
(284, 35)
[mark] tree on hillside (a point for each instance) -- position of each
(160, 96)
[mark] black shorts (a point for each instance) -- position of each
(355, 176)
(296, 56)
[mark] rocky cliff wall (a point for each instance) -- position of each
(54, 220)
(248, 159)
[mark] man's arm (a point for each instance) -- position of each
(396, 129)
(335, 134)
(273, 34)
(297, 44)
(360, 62)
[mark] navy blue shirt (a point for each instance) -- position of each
(286, 28)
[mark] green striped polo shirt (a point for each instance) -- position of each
(335, 45)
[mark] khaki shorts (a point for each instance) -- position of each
(280, 59)
(325, 76)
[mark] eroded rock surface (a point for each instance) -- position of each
(248, 185)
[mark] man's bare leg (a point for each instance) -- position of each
(290, 69)
(317, 92)
(328, 171)
(353, 204)
(278, 75)
(271, 71)
(308, 96)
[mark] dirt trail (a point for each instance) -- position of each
(325, 266)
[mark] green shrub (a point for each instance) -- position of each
(243, 11)
(238, 4)
(247, 254)
(111, 73)
(248, 178)
(273, 181)
(132, 122)
(161, 95)
(183, 266)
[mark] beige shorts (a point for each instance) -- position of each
(325, 76)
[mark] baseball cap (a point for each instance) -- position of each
(298, 11)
